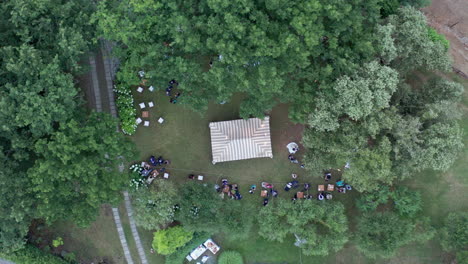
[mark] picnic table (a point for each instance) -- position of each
(330, 187)
(264, 193)
(321, 188)
(211, 245)
(300, 195)
(196, 253)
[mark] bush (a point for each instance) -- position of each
(436, 37)
(407, 202)
(370, 201)
(167, 241)
(230, 257)
(32, 255)
(454, 234)
(179, 256)
(127, 112)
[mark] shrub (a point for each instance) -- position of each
(179, 256)
(370, 201)
(32, 255)
(167, 241)
(57, 242)
(230, 257)
(407, 202)
(436, 37)
(127, 112)
(454, 234)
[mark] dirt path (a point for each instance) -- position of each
(450, 18)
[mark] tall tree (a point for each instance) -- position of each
(154, 205)
(201, 209)
(355, 97)
(35, 94)
(322, 227)
(413, 44)
(381, 234)
(76, 169)
(267, 49)
(53, 27)
(454, 234)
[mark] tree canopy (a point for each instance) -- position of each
(168, 240)
(154, 205)
(416, 126)
(201, 209)
(269, 50)
(381, 234)
(454, 235)
(322, 227)
(77, 169)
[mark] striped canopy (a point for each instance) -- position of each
(240, 139)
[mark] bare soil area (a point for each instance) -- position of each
(450, 18)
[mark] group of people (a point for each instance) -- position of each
(159, 161)
(293, 159)
(232, 190)
(172, 83)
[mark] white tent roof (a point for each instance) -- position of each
(241, 139)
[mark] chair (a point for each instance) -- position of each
(151, 88)
(142, 105)
(161, 120)
(146, 123)
(145, 114)
(138, 121)
(140, 89)
(150, 104)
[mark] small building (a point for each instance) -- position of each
(241, 139)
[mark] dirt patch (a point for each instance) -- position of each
(289, 131)
(450, 18)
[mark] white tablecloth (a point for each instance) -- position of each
(196, 253)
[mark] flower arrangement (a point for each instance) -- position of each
(127, 111)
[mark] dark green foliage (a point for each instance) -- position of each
(371, 200)
(230, 257)
(58, 29)
(201, 209)
(436, 37)
(382, 234)
(179, 256)
(407, 202)
(454, 234)
(32, 255)
(389, 7)
(77, 167)
(462, 257)
(153, 206)
(323, 226)
(269, 50)
(42, 42)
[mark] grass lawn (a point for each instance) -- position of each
(99, 242)
(184, 139)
